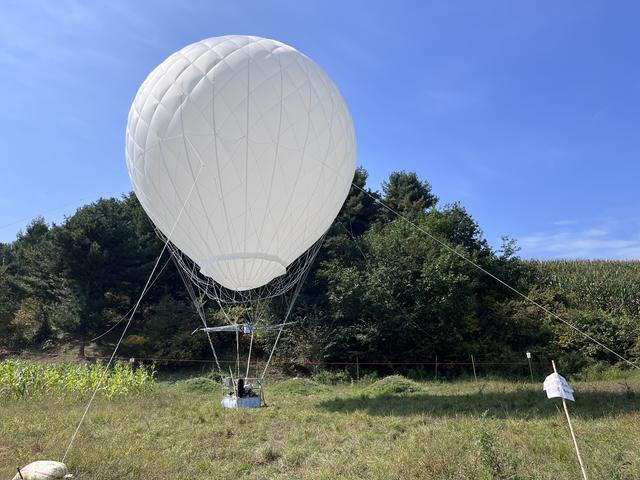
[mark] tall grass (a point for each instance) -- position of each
(609, 285)
(20, 379)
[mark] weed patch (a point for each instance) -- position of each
(393, 385)
(200, 385)
(298, 386)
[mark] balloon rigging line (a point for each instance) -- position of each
(127, 314)
(215, 291)
(249, 355)
(232, 322)
(355, 240)
(135, 308)
(204, 322)
(229, 321)
(237, 353)
(294, 297)
(497, 279)
(253, 322)
(275, 343)
(15, 222)
(199, 306)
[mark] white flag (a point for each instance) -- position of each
(557, 386)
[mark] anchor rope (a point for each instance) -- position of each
(496, 278)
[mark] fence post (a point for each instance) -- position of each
(530, 369)
(357, 368)
(473, 363)
(436, 367)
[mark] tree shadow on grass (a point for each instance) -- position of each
(524, 404)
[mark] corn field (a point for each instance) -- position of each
(20, 379)
(609, 285)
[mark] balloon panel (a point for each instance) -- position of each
(241, 150)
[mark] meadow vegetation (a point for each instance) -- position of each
(391, 428)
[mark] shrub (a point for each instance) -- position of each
(299, 386)
(393, 385)
(201, 385)
(330, 377)
(498, 462)
(600, 371)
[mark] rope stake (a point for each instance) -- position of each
(573, 435)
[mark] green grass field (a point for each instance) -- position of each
(391, 429)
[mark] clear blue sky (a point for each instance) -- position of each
(525, 112)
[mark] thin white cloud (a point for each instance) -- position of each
(65, 35)
(596, 232)
(592, 243)
(566, 222)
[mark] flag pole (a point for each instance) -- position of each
(573, 435)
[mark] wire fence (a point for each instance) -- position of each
(531, 369)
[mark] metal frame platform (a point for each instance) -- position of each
(249, 396)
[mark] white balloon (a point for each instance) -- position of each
(247, 148)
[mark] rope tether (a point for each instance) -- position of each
(497, 279)
(135, 308)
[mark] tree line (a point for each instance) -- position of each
(380, 289)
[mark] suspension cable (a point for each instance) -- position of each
(237, 352)
(249, 355)
(497, 279)
(137, 304)
(199, 305)
(127, 314)
(286, 317)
